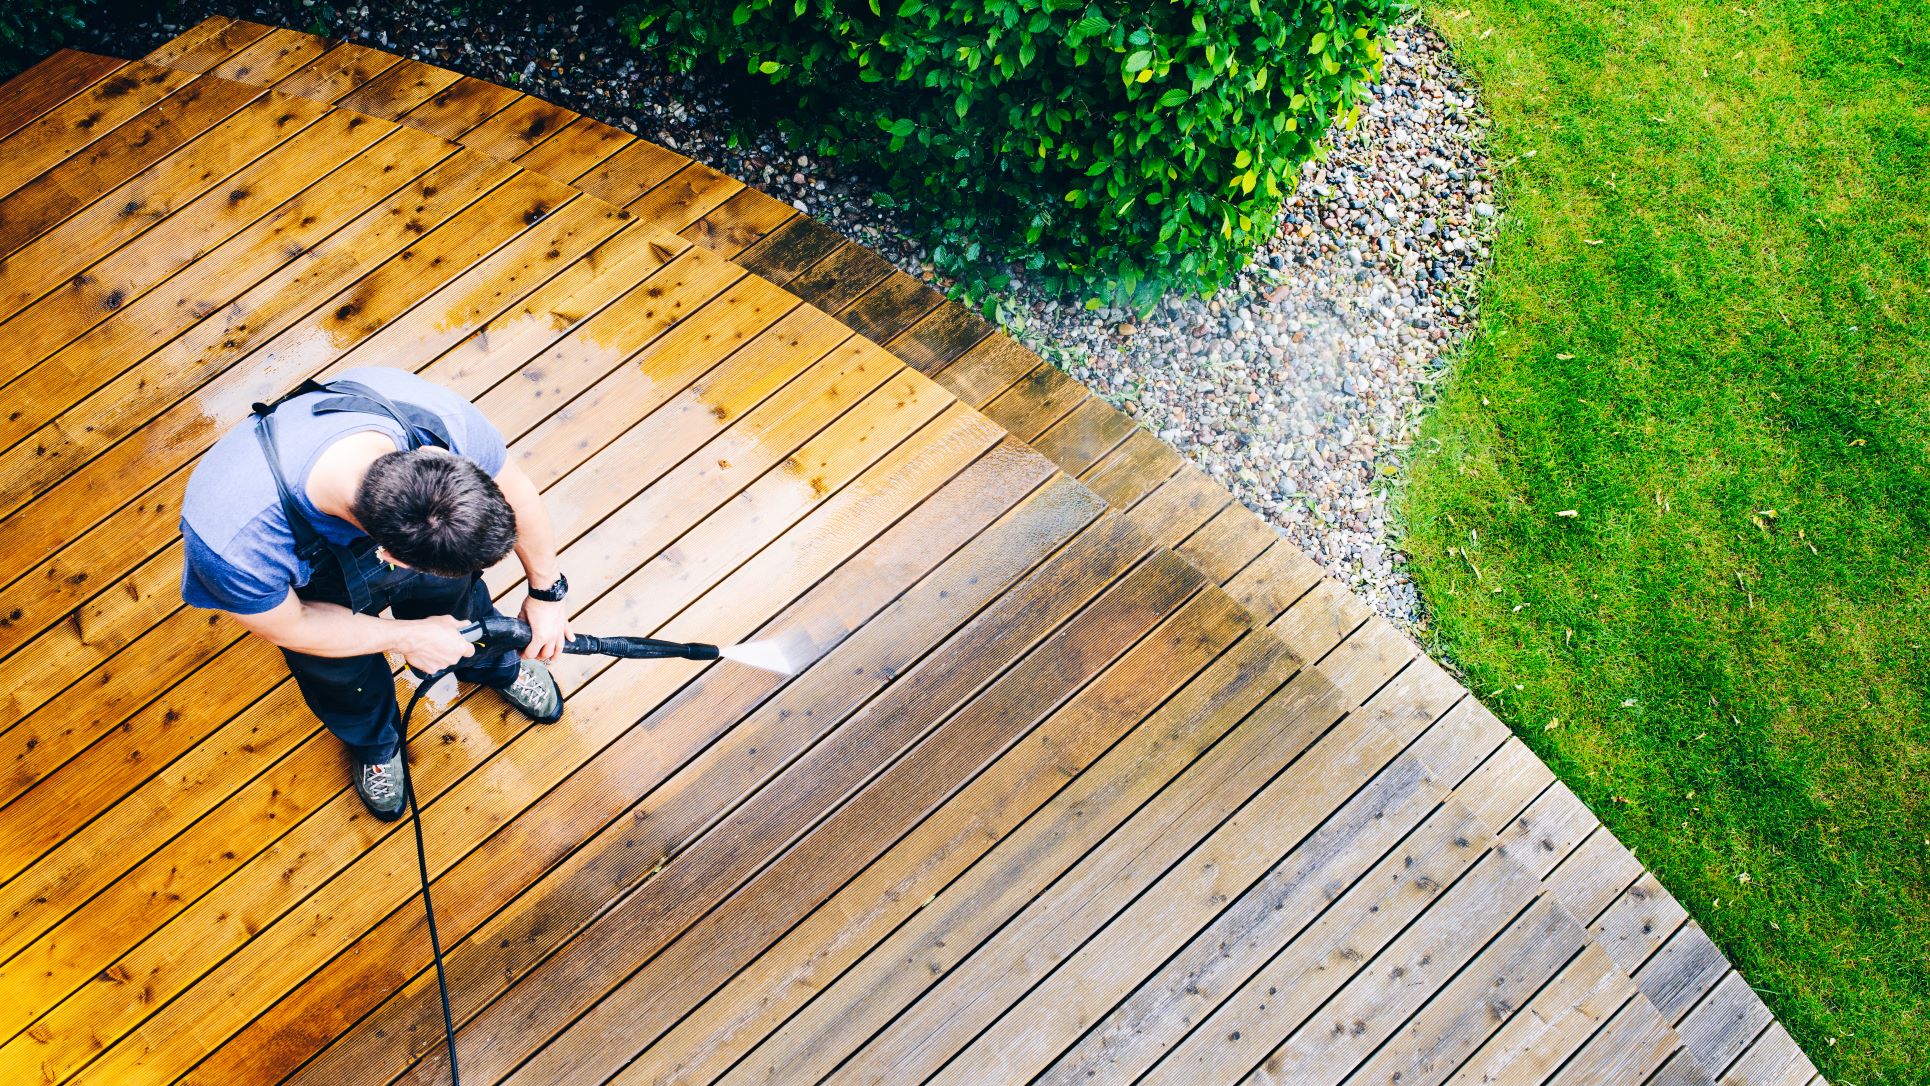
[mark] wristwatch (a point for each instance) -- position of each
(554, 593)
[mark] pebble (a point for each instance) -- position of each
(1299, 385)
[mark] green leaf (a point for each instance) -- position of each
(1319, 42)
(769, 67)
(1139, 60)
(910, 7)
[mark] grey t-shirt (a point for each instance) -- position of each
(240, 551)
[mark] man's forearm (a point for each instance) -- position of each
(535, 539)
(327, 629)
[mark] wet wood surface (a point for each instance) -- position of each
(1089, 775)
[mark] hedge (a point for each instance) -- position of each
(1114, 149)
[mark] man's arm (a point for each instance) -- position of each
(327, 629)
(536, 548)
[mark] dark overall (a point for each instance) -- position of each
(355, 695)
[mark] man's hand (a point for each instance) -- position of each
(431, 644)
(549, 627)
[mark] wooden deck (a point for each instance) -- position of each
(1092, 778)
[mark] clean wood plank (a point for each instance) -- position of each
(182, 1031)
(181, 233)
(339, 71)
(42, 143)
(271, 58)
(1127, 474)
(1681, 1069)
(518, 128)
(1547, 830)
(574, 149)
(208, 43)
(1591, 877)
(145, 139)
(624, 175)
(741, 222)
(1274, 581)
(1038, 400)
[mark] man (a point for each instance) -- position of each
(378, 490)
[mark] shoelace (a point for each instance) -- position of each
(530, 685)
(380, 786)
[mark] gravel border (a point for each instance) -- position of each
(1299, 387)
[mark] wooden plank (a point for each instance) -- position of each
(1558, 1020)
(1464, 1013)
(1506, 784)
(1726, 1021)
(1773, 1060)
(625, 174)
(823, 539)
(975, 984)
(48, 83)
(1275, 581)
(1088, 432)
(1590, 878)
(1054, 749)
(521, 126)
(574, 149)
(203, 361)
(832, 851)
(1225, 545)
(1038, 400)
(1681, 1069)
(176, 875)
(1327, 613)
(155, 133)
(1684, 970)
(1114, 1039)
(40, 144)
(249, 981)
(939, 338)
(191, 225)
(691, 193)
(786, 252)
(679, 810)
(1638, 923)
(890, 307)
(404, 86)
(460, 107)
(909, 878)
(1461, 743)
(741, 222)
(338, 72)
(1127, 474)
(81, 788)
(1633, 1044)
(1548, 830)
(208, 43)
(848, 672)
(271, 58)
(838, 279)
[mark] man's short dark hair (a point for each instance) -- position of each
(436, 512)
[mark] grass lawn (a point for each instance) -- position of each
(1707, 333)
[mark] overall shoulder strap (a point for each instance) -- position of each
(414, 420)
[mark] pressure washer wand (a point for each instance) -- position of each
(502, 632)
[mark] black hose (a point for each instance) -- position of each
(422, 868)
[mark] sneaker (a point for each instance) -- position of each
(380, 786)
(534, 693)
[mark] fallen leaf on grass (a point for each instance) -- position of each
(1591, 241)
(1564, 357)
(1569, 513)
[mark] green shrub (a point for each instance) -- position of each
(31, 30)
(1113, 148)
